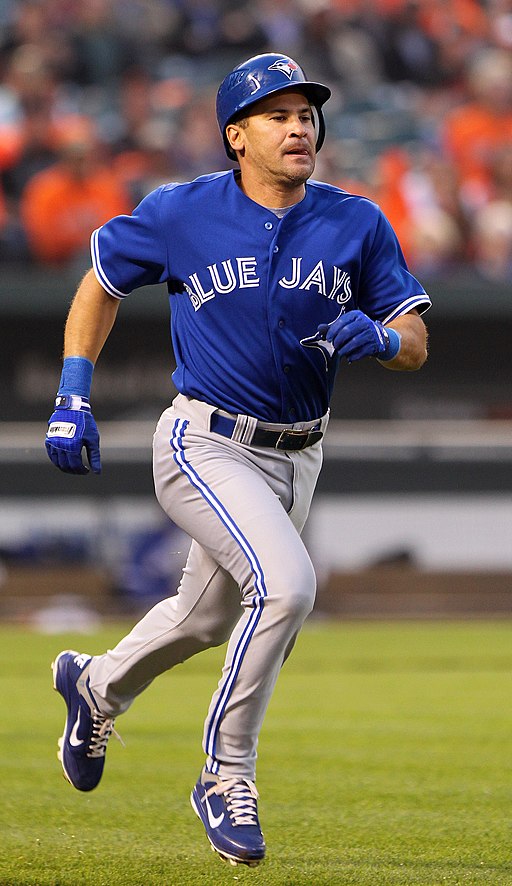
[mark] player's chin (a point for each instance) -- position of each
(299, 164)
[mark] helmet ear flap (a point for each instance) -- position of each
(320, 136)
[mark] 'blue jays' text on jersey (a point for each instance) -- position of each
(246, 288)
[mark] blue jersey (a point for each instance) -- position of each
(247, 290)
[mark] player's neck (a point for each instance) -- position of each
(274, 194)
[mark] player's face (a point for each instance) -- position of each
(275, 144)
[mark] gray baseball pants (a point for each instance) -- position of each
(248, 577)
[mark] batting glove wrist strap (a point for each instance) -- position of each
(393, 341)
(76, 378)
(72, 401)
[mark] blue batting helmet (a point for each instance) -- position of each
(258, 77)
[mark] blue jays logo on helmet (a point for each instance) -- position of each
(285, 65)
(258, 77)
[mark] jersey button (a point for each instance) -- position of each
(281, 324)
(286, 368)
(276, 248)
(269, 226)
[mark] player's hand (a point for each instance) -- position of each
(355, 335)
(71, 429)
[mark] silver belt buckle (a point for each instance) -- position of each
(289, 438)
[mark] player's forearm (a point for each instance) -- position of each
(413, 347)
(90, 320)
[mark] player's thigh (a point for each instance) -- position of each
(208, 597)
(223, 501)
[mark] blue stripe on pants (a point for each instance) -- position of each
(209, 496)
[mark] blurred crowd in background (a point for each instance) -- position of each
(103, 100)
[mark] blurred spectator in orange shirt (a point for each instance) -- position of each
(63, 204)
(492, 241)
(419, 196)
(475, 132)
(459, 29)
(32, 148)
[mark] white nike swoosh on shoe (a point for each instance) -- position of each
(213, 820)
(73, 738)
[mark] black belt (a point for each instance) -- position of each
(288, 439)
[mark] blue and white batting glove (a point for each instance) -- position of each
(354, 335)
(72, 428)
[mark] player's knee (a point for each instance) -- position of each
(301, 600)
(293, 591)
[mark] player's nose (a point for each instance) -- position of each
(298, 131)
(298, 128)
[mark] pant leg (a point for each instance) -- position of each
(275, 607)
(201, 615)
(257, 503)
(234, 501)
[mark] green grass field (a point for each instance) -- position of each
(386, 758)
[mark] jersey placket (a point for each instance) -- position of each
(274, 321)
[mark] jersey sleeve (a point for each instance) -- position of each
(387, 287)
(130, 251)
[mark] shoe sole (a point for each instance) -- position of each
(60, 741)
(232, 859)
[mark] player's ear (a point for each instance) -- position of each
(235, 134)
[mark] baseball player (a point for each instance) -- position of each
(274, 280)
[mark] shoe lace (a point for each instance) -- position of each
(102, 729)
(240, 796)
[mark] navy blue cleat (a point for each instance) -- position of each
(83, 745)
(229, 812)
